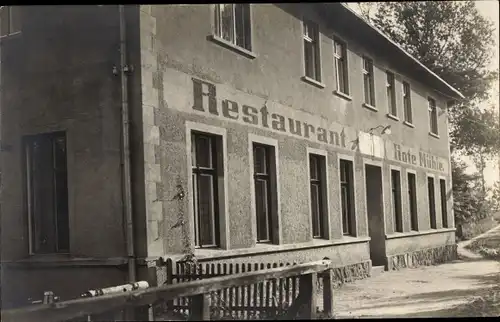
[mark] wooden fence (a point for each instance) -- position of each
(267, 299)
(303, 305)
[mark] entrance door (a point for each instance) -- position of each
(375, 213)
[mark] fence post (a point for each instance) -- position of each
(328, 289)
(200, 307)
(169, 272)
(308, 293)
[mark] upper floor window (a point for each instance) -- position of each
(46, 184)
(232, 23)
(311, 51)
(340, 56)
(407, 103)
(9, 20)
(391, 94)
(433, 116)
(368, 81)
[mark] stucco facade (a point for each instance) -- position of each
(183, 81)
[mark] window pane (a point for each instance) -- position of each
(262, 208)
(227, 22)
(316, 209)
(309, 56)
(242, 16)
(203, 151)
(366, 81)
(260, 160)
(432, 206)
(412, 199)
(444, 207)
(206, 209)
(314, 170)
(345, 209)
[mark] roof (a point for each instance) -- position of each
(351, 22)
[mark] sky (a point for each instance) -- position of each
(490, 10)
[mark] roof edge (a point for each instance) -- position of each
(451, 88)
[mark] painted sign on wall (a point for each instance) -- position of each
(224, 102)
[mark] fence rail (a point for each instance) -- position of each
(304, 305)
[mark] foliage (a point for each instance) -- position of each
(470, 202)
(456, 42)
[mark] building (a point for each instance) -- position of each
(260, 133)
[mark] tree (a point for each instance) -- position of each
(455, 41)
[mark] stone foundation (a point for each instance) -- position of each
(350, 273)
(430, 256)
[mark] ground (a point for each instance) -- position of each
(469, 286)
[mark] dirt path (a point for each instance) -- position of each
(428, 291)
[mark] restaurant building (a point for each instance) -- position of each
(259, 133)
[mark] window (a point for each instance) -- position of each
(347, 197)
(433, 116)
(341, 74)
(407, 103)
(396, 200)
(368, 81)
(232, 23)
(206, 169)
(412, 200)
(432, 202)
(391, 94)
(317, 165)
(311, 51)
(9, 20)
(444, 207)
(47, 192)
(265, 193)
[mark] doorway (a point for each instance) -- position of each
(375, 214)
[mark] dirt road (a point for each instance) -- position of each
(429, 291)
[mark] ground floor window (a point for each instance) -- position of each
(412, 201)
(317, 178)
(432, 202)
(206, 170)
(396, 200)
(265, 191)
(444, 207)
(347, 196)
(46, 184)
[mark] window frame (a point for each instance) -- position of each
(222, 181)
(433, 116)
(431, 199)
(213, 171)
(391, 97)
(349, 228)
(218, 26)
(368, 73)
(324, 202)
(317, 76)
(343, 59)
(272, 144)
(407, 107)
(412, 199)
(28, 142)
(396, 201)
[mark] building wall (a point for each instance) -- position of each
(175, 51)
(57, 74)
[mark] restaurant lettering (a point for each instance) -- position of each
(423, 159)
(205, 99)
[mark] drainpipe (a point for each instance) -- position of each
(126, 185)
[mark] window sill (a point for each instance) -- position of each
(394, 117)
(418, 233)
(343, 95)
(434, 135)
(213, 254)
(370, 107)
(62, 260)
(313, 81)
(409, 124)
(233, 47)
